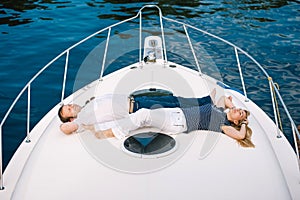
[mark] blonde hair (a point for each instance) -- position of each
(246, 142)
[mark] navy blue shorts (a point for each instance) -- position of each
(154, 102)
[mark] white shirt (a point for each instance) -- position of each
(105, 108)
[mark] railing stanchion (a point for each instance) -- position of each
(140, 40)
(1, 161)
(105, 53)
(28, 113)
(295, 140)
(162, 35)
(241, 73)
(294, 129)
(192, 48)
(273, 104)
(65, 76)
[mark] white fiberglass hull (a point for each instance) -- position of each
(202, 167)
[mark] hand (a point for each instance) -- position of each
(229, 98)
(228, 102)
(245, 121)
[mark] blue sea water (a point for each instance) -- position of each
(34, 32)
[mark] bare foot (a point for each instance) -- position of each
(104, 134)
(100, 135)
(89, 127)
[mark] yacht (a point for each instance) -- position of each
(150, 54)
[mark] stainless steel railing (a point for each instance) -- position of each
(273, 88)
(186, 27)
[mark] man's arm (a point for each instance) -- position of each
(68, 128)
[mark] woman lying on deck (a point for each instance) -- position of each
(233, 123)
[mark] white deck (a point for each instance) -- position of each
(81, 167)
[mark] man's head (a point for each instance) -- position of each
(68, 113)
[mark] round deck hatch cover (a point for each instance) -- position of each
(149, 144)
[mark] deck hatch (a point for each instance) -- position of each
(149, 144)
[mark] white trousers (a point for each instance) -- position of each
(168, 120)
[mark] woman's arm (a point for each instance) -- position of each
(225, 102)
(235, 134)
(228, 102)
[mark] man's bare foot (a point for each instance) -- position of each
(100, 135)
(89, 127)
(104, 134)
